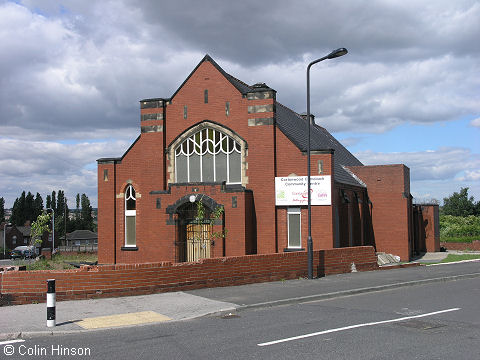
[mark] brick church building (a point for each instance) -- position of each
(219, 169)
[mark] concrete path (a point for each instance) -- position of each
(80, 315)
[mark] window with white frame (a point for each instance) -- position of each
(294, 228)
(130, 216)
(209, 155)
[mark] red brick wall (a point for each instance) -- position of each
(389, 191)
(255, 225)
(290, 160)
(474, 245)
(146, 166)
(23, 287)
(339, 261)
(106, 203)
(432, 230)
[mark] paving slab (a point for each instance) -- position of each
(78, 315)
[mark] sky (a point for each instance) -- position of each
(72, 74)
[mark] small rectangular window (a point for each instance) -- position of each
(294, 228)
(185, 112)
(105, 175)
(227, 108)
(205, 96)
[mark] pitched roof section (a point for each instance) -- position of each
(296, 129)
(239, 85)
(82, 235)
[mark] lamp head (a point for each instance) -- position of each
(337, 53)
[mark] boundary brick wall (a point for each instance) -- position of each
(474, 245)
(24, 287)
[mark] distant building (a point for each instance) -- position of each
(218, 142)
(13, 237)
(81, 238)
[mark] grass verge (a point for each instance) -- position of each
(60, 262)
(459, 257)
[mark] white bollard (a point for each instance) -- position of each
(51, 300)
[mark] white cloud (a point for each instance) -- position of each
(475, 122)
(76, 71)
(46, 166)
(434, 174)
(441, 164)
(470, 175)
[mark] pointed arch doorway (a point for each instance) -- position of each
(194, 233)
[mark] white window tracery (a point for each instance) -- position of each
(208, 155)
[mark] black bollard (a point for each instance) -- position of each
(51, 300)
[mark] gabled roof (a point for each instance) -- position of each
(239, 85)
(296, 129)
(82, 235)
(25, 230)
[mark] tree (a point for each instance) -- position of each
(2, 210)
(459, 204)
(18, 211)
(77, 199)
(29, 207)
(48, 204)
(60, 214)
(26, 208)
(37, 206)
(54, 201)
(86, 214)
(39, 227)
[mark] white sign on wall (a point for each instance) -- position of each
(293, 190)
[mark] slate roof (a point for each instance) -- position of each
(25, 230)
(296, 129)
(82, 235)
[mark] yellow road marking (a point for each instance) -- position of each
(143, 317)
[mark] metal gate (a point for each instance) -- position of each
(194, 236)
(198, 241)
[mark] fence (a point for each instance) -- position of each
(78, 248)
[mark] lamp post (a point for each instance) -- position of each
(4, 233)
(332, 55)
(65, 222)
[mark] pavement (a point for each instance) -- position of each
(22, 321)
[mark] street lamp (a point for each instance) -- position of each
(4, 233)
(332, 55)
(65, 222)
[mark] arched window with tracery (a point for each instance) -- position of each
(208, 155)
(130, 216)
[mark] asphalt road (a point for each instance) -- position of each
(432, 321)
(10, 262)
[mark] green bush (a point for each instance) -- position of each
(458, 227)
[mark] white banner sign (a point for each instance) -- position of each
(293, 190)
